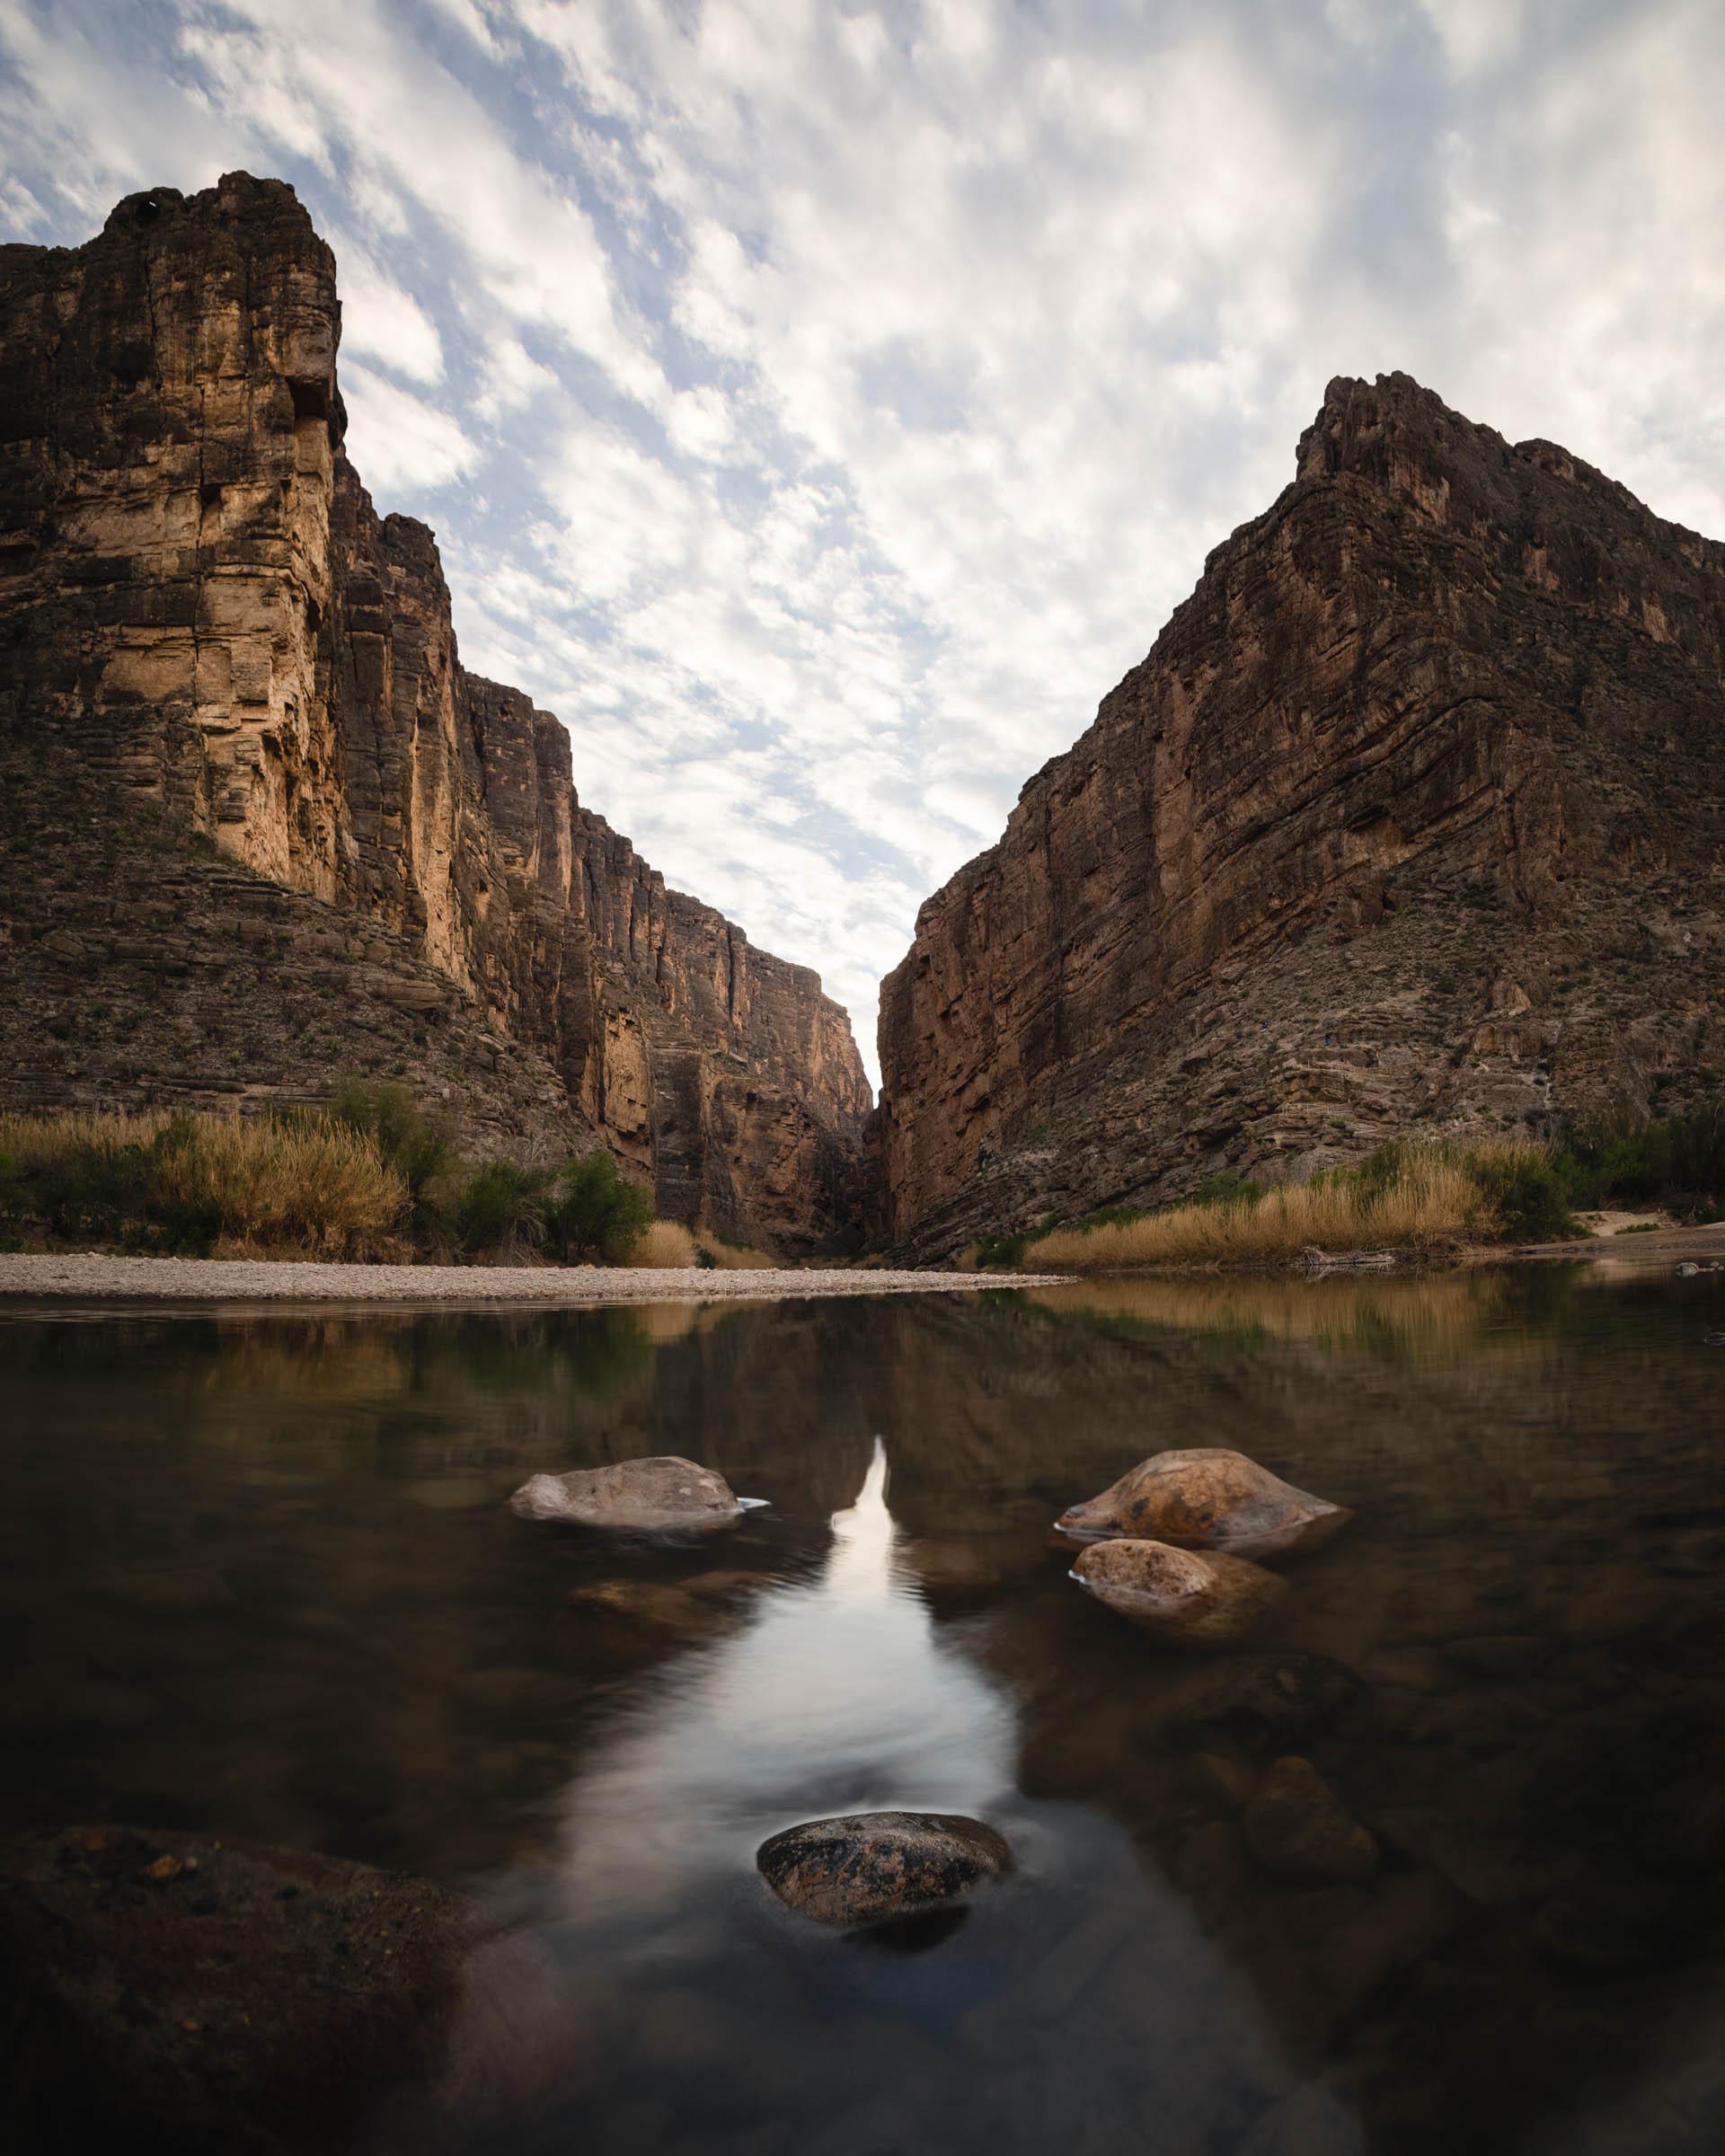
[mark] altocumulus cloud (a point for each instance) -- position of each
(820, 405)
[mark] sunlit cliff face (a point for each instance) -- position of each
(836, 1696)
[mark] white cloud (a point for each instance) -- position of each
(853, 390)
(379, 318)
(400, 444)
(511, 379)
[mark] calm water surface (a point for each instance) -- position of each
(264, 1581)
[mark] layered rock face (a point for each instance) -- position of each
(1411, 821)
(207, 629)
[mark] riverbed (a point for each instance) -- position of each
(267, 1585)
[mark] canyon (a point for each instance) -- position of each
(262, 829)
(1410, 823)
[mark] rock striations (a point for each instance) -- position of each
(209, 634)
(1411, 820)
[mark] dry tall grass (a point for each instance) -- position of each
(281, 1189)
(666, 1244)
(313, 1186)
(53, 1140)
(1432, 1196)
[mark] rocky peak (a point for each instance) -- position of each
(1448, 712)
(200, 609)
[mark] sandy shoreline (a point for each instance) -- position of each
(94, 1277)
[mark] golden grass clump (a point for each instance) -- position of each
(56, 1138)
(317, 1188)
(666, 1244)
(1429, 1196)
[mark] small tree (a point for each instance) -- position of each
(593, 1213)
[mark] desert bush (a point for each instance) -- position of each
(592, 1214)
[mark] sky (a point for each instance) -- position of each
(821, 403)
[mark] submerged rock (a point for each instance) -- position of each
(1297, 1824)
(172, 1991)
(1207, 1498)
(1191, 1599)
(871, 1866)
(655, 1611)
(665, 1491)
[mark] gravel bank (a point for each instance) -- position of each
(92, 1277)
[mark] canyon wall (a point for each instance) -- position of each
(223, 675)
(1413, 819)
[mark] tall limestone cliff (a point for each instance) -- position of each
(260, 825)
(1413, 819)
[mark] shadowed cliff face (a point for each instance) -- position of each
(205, 625)
(1411, 821)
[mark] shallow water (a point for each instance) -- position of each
(268, 1584)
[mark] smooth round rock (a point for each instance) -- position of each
(1207, 1498)
(1191, 1598)
(665, 1491)
(868, 1866)
(1296, 1824)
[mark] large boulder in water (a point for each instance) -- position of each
(168, 1991)
(664, 1492)
(868, 1866)
(1209, 1498)
(1191, 1599)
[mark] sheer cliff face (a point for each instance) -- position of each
(201, 613)
(1411, 820)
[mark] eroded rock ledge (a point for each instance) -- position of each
(1409, 821)
(207, 629)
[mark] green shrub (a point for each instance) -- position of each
(1525, 1191)
(503, 1208)
(593, 1213)
(1676, 1161)
(1697, 1153)
(1228, 1187)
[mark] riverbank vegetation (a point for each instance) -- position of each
(366, 1175)
(1413, 1198)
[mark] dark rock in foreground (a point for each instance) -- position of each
(871, 1866)
(1207, 1498)
(170, 1991)
(1189, 1599)
(664, 1492)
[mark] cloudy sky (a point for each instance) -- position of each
(820, 403)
